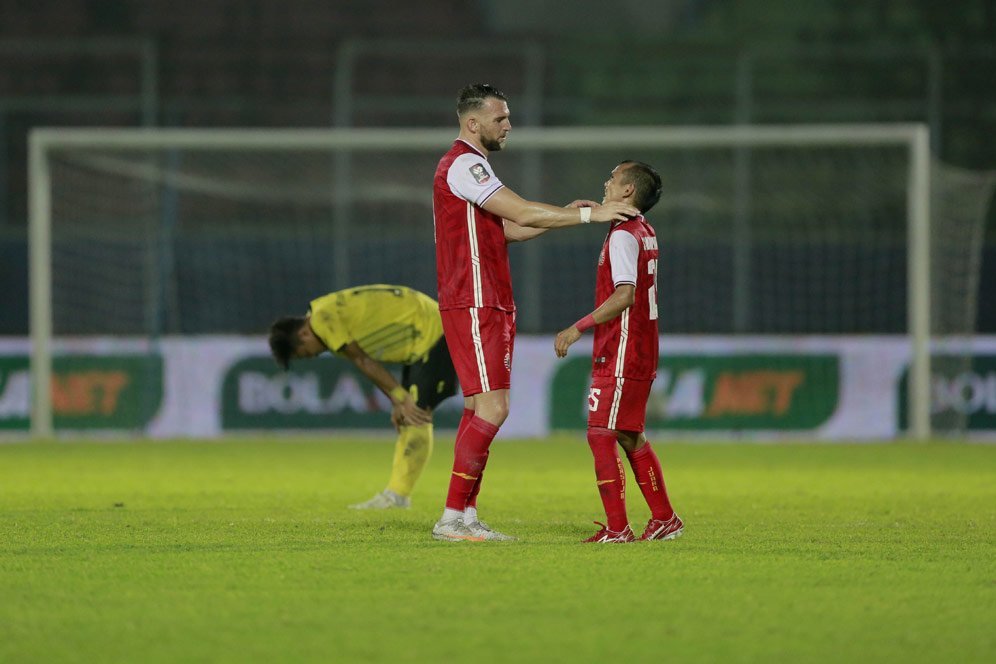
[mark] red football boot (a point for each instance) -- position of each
(606, 536)
(663, 530)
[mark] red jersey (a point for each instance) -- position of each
(471, 253)
(626, 346)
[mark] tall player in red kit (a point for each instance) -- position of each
(476, 216)
(624, 360)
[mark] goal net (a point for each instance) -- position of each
(781, 232)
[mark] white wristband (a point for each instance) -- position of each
(585, 215)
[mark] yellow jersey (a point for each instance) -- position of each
(390, 323)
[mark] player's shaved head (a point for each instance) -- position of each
(284, 340)
(645, 179)
(473, 97)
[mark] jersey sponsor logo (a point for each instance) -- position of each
(480, 173)
(649, 243)
(601, 257)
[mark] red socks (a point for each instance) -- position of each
(609, 476)
(469, 458)
(468, 415)
(472, 498)
(647, 469)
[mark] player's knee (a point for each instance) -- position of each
(493, 412)
(492, 406)
(599, 438)
(496, 414)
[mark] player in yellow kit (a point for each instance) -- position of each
(370, 325)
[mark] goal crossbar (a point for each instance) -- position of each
(548, 138)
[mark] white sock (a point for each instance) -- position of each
(469, 515)
(450, 515)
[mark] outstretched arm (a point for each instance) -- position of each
(621, 299)
(404, 410)
(516, 233)
(531, 214)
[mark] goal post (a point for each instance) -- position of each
(40, 285)
(918, 280)
(911, 139)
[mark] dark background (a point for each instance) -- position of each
(268, 63)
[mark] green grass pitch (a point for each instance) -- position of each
(244, 551)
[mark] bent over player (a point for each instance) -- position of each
(475, 217)
(381, 323)
(624, 360)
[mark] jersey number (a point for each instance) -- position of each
(593, 398)
(652, 291)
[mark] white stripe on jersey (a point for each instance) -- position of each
(475, 256)
(623, 338)
(482, 367)
(616, 399)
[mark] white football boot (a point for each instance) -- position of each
(482, 529)
(453, 530)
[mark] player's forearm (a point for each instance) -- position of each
(543, 216)
(621, 299)
(381, 377)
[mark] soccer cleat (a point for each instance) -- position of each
(384, 500)
(606, 536)
(482, 529)
(454, 530)
(663, 530)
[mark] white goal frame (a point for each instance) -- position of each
(915, 137)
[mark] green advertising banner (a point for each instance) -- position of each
(711, 392)
(115, 392)
(963, 393)
(326, 393)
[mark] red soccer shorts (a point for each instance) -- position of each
(481, 340)
(618, 403)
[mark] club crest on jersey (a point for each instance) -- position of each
(480, 173)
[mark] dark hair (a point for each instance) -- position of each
(284, 340)
(472, 97)
(647, 182)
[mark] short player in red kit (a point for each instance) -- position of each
(624, 360)
(475, 217)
